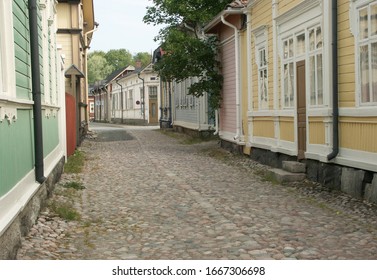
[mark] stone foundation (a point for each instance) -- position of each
(204, 134)
(10, 240)
(358, 183)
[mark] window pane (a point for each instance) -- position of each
(291, 47)
(373, 17)
(291, 84)
(300, 44)
(319, 38)
(364, 74)
(312, 81)
(374, 71)
(363, 23)
(286, 94)
(285, 49)
(311, 40)
(319, 79)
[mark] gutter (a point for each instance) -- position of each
(143, 103)
(238, 80)
(36, 91)
(335, 149)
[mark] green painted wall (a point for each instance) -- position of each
(50, 134)
(22, 49)
(16, 153)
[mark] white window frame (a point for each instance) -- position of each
(7, 78)
(288, 97)
(356, 6)
(315, 53)
(130, 99)
(261, 45)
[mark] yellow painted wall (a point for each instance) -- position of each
(263, 127)
(346, 44)
(286, 5)
(262, 15)
(287, 129)
(317, 131)
(358, 133)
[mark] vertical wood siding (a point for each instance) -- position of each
(358, 134)
(228, 106)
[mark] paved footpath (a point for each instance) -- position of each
(149, 196)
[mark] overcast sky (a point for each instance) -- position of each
(121, 26)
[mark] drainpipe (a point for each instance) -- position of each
(143, 103)
(121, 99)
(238, 98)
(216, 122)
(335, 150)
(36, 89)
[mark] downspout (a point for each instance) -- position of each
(121, 100)
(335, 93)
(216, 122)
(36, 90)
(238, 98)
(143, 103)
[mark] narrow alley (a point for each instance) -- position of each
(148, 195)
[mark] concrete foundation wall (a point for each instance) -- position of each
(10, 241)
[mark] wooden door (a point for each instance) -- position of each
(153, 111)
(301, 109)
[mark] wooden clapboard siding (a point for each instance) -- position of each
(287, 129)
(22, 49)
(358, 133)
(346, 56)
(228, 104)
(263, 127)
(317, 131)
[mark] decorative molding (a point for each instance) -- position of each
(9, 114)
(297, 11)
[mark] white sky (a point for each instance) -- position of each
(121, 26)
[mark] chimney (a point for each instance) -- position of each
(138, 64)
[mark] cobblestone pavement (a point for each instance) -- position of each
(150, 196)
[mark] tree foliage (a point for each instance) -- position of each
(101, 64)
(98, 67)
(188, 52)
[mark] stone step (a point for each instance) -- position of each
(283, 176)
(294, 166)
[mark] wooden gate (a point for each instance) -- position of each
(70, 105)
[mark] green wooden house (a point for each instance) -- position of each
(32, 115)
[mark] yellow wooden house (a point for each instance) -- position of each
(311, 86)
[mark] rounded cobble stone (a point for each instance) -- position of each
(150, 196)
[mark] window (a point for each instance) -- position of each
(153, 92)
(130, 100)
(367, 53)
(288, 72)
(7, 80)
(316, 66)
(263, 78)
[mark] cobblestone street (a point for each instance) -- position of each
(150, 196)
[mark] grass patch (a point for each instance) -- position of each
(65, 211)
(74, 185)
(185, 139)
(75, 163)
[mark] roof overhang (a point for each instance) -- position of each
(217, 20)
(74, 71)
(89, 21)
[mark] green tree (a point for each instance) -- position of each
(188, 52)
(144, 57)
(119, 58)
(98, 67)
